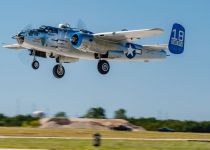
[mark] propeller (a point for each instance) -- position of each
(27, 28)
(20, 37)
(20, 34)
(23, 56)
(82, 27)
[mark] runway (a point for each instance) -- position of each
(88, 138)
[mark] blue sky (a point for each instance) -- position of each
(177, 88)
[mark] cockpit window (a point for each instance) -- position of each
(52, 30)
(36, 33)
(33, 33)
(42, 27)
(30, 33)
(48, 29)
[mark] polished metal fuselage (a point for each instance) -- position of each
(58, 43)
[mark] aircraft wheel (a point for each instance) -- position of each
(35, 65)
(58, 71)
(103, 67)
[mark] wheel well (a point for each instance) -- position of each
(38, 53)
(98, 56)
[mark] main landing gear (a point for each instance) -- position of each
(103, 67)
(58, 71)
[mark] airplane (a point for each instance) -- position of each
(69, 45)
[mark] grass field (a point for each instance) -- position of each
(61, 144)
(78, 144)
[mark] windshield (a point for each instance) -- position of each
(48, 29)
(42, 27)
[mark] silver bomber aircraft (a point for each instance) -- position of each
(68, 45)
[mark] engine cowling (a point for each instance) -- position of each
(81, 41)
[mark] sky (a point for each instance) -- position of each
(177, 88)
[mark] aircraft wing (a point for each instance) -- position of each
(155, 47)
(13, 46)
(131, 35)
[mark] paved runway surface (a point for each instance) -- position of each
(87, 138)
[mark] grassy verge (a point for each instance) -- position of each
(61, 144)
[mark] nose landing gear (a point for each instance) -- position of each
(35, 65)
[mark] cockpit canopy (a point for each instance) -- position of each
(64, 26)
(47, 29)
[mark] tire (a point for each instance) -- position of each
(35, 65)
(103, 67)
(58, 71)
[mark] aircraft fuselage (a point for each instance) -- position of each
(57, 41)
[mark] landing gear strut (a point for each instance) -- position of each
(35, 63)
(58, 71)
(103, 67)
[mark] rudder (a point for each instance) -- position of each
(177, 39)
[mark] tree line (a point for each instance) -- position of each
(150, 124)
(153, 124)
(19, 121)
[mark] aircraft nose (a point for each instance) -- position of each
(20, 37)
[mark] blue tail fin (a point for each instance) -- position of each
(177, 39)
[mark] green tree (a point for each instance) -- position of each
(60, 114)
(120, 114)
(97, 113)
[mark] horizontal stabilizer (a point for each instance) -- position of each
(155, 47)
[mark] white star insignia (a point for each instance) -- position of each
(130, 51)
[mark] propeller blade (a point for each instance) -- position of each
(81, 25)
(26, 28)
(24, 57)
(14, 37)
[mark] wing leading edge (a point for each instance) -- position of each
(131, 35)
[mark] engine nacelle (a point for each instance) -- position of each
(81, 41)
